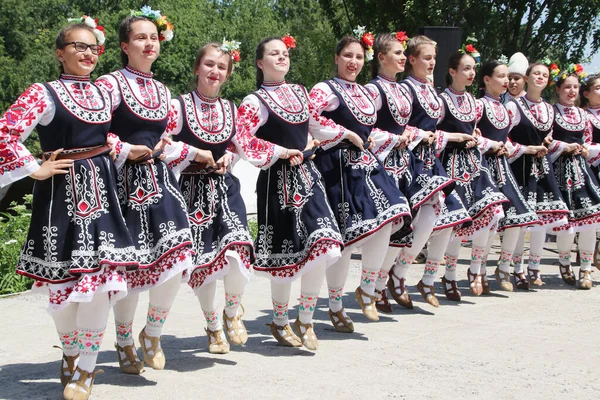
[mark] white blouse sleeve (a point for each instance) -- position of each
(251, 115)
(35, 106)
(178, 155)
(322, 128)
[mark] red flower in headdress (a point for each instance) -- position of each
(470, 48)
(368, 39)
(401, 36)
(100, 50)
(235, 54)
(578, 69)
(289, 41)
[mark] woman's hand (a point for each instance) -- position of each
(429, 138)
(204, 157)
(312, 143)
(52, 167)
(160, 146)
(138, 152)
(585, 152)
(295, 156)
(476, 132)
(469, 140)
(530, 150)
(496, 146)
(403, 141)
(573, 149)
(224, 163)
(355, 139)
(461, 138)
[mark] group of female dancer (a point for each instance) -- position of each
(135, 191)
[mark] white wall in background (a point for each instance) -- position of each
(247, 174)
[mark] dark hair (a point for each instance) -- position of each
(531, 66)
(383, 44)
(61, 38)
(125, 30)
(586, 85)
(345, 42)
(487, 69)
(454, 62)
(202, 52)
(413, 48)
(260, 53)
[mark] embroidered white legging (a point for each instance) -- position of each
(86, 322)
(510, 237)
(479, 245)
(65, 322)
(234, 283)
(373, 254)
(585, 244)
(161, 298)
(310, 285)
(422, 228)
(437, 247)
(401, 258)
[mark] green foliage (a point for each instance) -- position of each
(14, 226)
(253, 227)
(562, 30)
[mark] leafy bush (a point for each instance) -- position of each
(253, 227)
(13, 233)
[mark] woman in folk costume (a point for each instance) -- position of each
(426, 110)
(152, 204)
(368, 205)
(465, 164)
(589, 99)
(576, 181)
(494, 123)
(531, 120)
(202, 122)
(297, 233)
(424, 191)
(78, 245)
(517, 67)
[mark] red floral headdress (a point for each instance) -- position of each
(367, 39)
(402, 38)
(289, 41)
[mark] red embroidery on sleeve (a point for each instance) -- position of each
(253, 147)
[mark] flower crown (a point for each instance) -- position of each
(574, 69)
(470, 49)
(554, 70)
(503, 59)
(366, 39)
(232, 47)
(289, 41)
(402, 38)
(98, 30)
(165, 29)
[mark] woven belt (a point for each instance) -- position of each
(200, 168)
(143, 160)
(79, 154)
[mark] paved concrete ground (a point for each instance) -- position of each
(542, 344)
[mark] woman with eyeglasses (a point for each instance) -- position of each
(78, 245)
(153, 207)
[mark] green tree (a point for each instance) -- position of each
(538, 28)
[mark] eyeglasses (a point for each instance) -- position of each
(82, 47)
